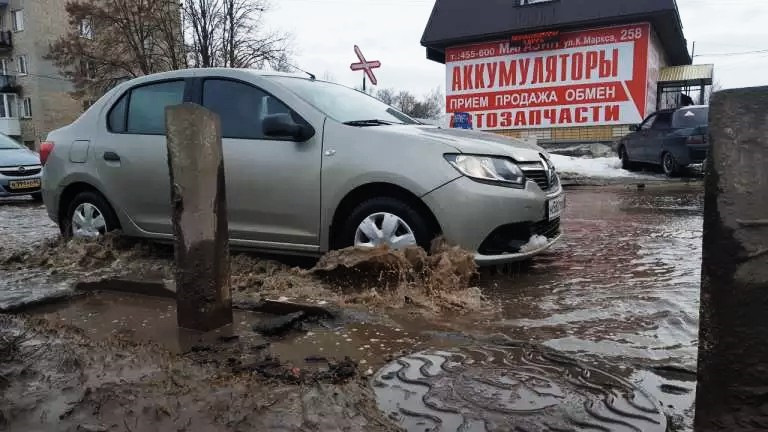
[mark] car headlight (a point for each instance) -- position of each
(488, 169)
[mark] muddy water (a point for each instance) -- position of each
(623, 283)
(23, 225)
(622, 288)
(152, 320)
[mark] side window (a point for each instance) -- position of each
(116, 117)
(241, 107)
(663, 121)
(648, 122)
(146, 110)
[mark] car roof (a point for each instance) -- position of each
(692, 107)
(673, 110)
(194, 72)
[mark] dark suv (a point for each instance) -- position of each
(673, 139)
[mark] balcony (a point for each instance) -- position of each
(10, 126)
(6, 40)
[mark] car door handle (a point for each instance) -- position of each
(111, 157)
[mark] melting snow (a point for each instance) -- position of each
(604, 167)
(536, 242)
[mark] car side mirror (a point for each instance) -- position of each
(634, 128)
(283, 125)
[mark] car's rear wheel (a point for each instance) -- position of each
(626, 163)
(387, 222)
(89, 216)
(669, 165)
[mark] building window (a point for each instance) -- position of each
(7, 105)
(18, 20)
(4, 66)
(88, 69)
(22, 65)
(27, 108)
(86, 30)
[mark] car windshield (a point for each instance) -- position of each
(7, 143)
(344, 104)
(691, 117)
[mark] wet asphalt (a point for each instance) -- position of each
(622, 288)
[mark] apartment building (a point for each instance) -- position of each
(34, 97)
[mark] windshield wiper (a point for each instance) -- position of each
(372, 122)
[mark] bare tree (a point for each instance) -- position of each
(229, 33)
(429, 107)
(386, 95)
(202, 19)
(113, 40)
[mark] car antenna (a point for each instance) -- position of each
(311, 75)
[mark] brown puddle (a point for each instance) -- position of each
(152, 320)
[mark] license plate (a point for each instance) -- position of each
(25, 184)
(555, 207)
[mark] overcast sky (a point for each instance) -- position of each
(325, 32)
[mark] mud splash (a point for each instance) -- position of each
(378, 278)
(434, 282)
(55, 378)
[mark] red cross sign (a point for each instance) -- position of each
(366, 66)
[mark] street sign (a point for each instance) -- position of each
(461, 120)
(365, 66)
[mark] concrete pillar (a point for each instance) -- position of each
(196, 163)
(733, 341)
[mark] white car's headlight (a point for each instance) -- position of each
(488, 169)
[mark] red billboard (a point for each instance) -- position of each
(586, 78)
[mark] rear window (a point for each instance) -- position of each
(690, 118)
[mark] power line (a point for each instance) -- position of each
(731, 54)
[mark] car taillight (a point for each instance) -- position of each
(46, 147)
(697, 139)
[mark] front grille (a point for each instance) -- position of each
(510, 238)
(14, 171)
(548, 229)
(535, 172)
(540, 177)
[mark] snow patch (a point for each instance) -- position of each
(535, 243)
(603, 167)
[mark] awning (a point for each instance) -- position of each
(690, 75)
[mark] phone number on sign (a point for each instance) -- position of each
(469, 54)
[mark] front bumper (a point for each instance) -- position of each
(6, 191)
(490, 260)
(469, 213)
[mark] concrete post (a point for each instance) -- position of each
(733, 339)
(196, 163)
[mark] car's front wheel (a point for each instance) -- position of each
(670, 165)
(387, 222)
(625, 162)
(89, 216)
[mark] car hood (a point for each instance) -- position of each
(473, 142)
(18, 157)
